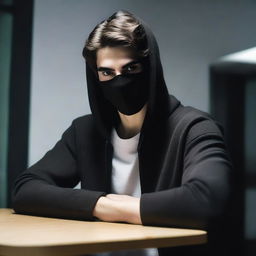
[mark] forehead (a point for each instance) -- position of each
(114, 56)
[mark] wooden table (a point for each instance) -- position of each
(29, 235)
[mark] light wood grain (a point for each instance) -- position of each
(30, 235)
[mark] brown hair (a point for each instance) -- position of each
(120, 29)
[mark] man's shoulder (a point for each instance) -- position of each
(178, 111)
(189, 114)
(195, 122)
(83, 121)
(83, 124)
(84, 129)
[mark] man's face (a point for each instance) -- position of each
(113, 61)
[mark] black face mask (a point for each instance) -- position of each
(127, 92)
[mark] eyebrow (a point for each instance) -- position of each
(124, 66)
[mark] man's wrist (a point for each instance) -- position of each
(99, 207)
(129, 209)
(118, 208)
(132, 213)
(107, 210)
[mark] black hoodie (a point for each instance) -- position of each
(185, 171)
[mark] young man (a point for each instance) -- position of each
(141, 156)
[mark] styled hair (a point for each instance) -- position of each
(121, 29)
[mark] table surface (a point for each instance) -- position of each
(30, 235)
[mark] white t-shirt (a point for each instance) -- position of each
(126, 181)
(125, 165)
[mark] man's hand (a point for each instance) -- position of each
(118, 208)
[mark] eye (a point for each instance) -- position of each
(106, 73)
(134, 68)
(131, 68)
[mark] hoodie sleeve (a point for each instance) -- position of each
(205, 187)
(46, 188)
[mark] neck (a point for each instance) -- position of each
(131, 125)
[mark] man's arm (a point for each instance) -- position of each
(206, 184)
(46, 188)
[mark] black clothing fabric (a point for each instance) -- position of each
(185, 171)
(127, 92)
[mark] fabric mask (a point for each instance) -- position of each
(127, 92)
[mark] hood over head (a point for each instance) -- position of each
(158, 107)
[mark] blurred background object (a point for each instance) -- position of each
(233, 103)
